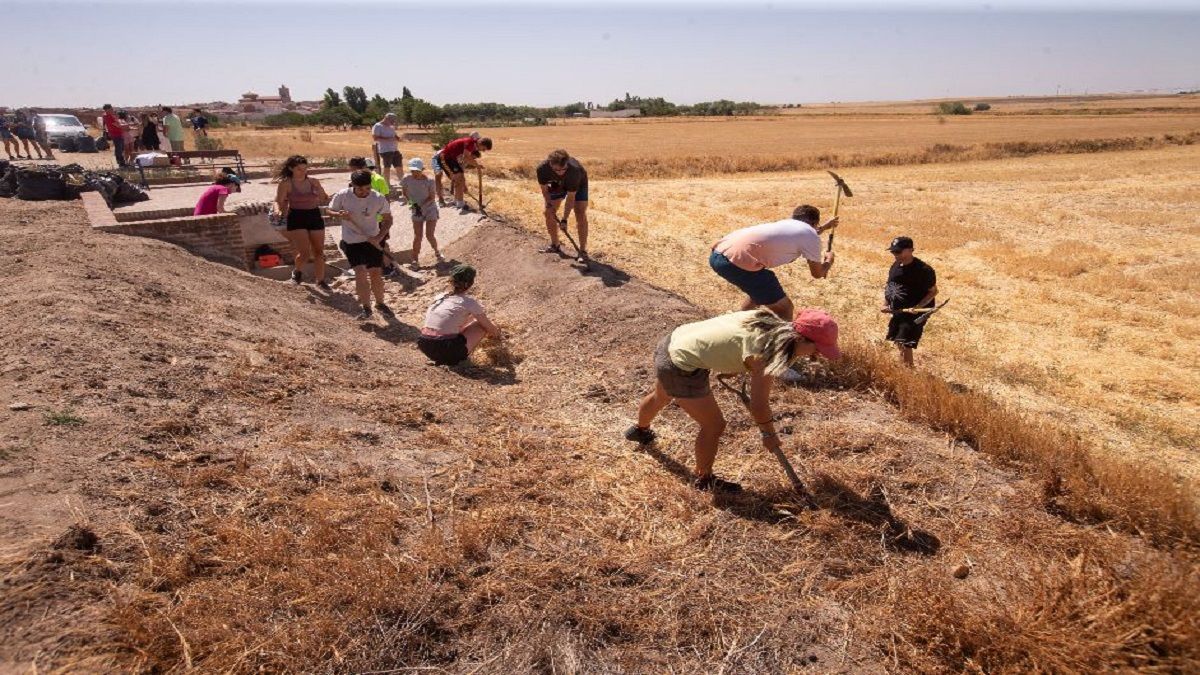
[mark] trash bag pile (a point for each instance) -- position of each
(51, 182)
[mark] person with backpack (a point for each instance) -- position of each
(366, 218)
(757, 342)
(455, 324)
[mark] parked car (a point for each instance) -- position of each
(63, 126)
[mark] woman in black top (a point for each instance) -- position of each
(149, 133)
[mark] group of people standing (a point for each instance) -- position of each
(28, 129)
(148, 132)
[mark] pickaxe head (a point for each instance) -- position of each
(841, 184)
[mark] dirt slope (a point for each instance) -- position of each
(222, 472)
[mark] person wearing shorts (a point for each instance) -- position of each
(757, 342)
(116, 134)
(366, 218)
(455, 324)
(387, 143)
(436, 163)
(745, 257)
(381, 186)
(298, 202)
(173, 127)
(452, 158)
(562, 178)
(41, 137)
(24, 131)
(10, 141)
(911, 283)
(419, 190)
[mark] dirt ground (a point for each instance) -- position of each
(204, 469)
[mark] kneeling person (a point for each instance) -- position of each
(455, 323)
(366, 219)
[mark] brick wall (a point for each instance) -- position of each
(131, 216)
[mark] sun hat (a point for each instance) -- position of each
(415, 164)
(463, 274)
(899, 244)
(820, 328)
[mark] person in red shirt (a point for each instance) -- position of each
(451, 158)
(116, 134)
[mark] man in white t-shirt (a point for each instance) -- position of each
(366, 219)
(745, 257)
(387, 143)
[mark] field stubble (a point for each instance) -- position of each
(1073, 285)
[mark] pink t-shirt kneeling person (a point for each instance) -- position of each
(455, 323)
(213, 199)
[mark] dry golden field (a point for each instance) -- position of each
(706, 145)
(1072, 277)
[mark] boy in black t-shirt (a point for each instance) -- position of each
(911, 283)
(561, 177)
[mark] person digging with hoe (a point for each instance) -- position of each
(366, 219)
(745, 257)
(455, 324)
(911, 284)
(561, 177)
(753, 341)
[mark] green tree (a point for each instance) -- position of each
(955, 108)
(443, 135)
(332, 99)
(377, 108)
(424, 113)
(356, 98)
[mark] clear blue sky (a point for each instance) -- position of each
(77, 54)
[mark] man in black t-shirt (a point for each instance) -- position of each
(911, 283)
(562, 177)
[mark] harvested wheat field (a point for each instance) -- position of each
(211, 471)
(1071, 277)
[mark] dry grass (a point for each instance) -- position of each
(1071, 285)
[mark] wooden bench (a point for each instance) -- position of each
(175, 160)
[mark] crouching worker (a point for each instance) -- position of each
(455, 323)
(212, 201)
(753, 341)
(366, 219)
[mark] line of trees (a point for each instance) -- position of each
(352, 106)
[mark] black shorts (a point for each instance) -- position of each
(450, 165)
(305, 219)
(363, 253)
(677, 382)
(444, 351)
(391, 159)
(903, 329)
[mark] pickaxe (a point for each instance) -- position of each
(841, 187)
(928, 312)
(797, 484)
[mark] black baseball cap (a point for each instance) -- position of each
(899, 244)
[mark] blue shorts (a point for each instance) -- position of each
(580, 195)
(437, 163)
(762, 286)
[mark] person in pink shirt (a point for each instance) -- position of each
(212, 201)
(745, 257)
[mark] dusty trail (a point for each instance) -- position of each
(274, 486)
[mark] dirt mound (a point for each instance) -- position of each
(212, 470)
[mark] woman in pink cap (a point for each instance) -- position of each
(754, 341)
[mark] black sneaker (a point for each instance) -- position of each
(323, 285)
(385, 310)
(464, 210)
(363, 315)
(640, 435)
(296, 276)
(552, 248)
(582, 257)
(711, 483)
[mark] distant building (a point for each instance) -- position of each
(628, 112)
(252, 105)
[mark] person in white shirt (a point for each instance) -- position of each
(387, 143)
(366, 219)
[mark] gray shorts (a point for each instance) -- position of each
(679, 383)
(391, 159)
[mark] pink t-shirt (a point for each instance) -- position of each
(208, 201)
(771, 244)
(449, 314)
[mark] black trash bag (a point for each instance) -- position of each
(67, 144)
(104, 184)
(72, 168)
(102, 144)
(128, 193)
(39, 184)
(85, 144)
(8, 182)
